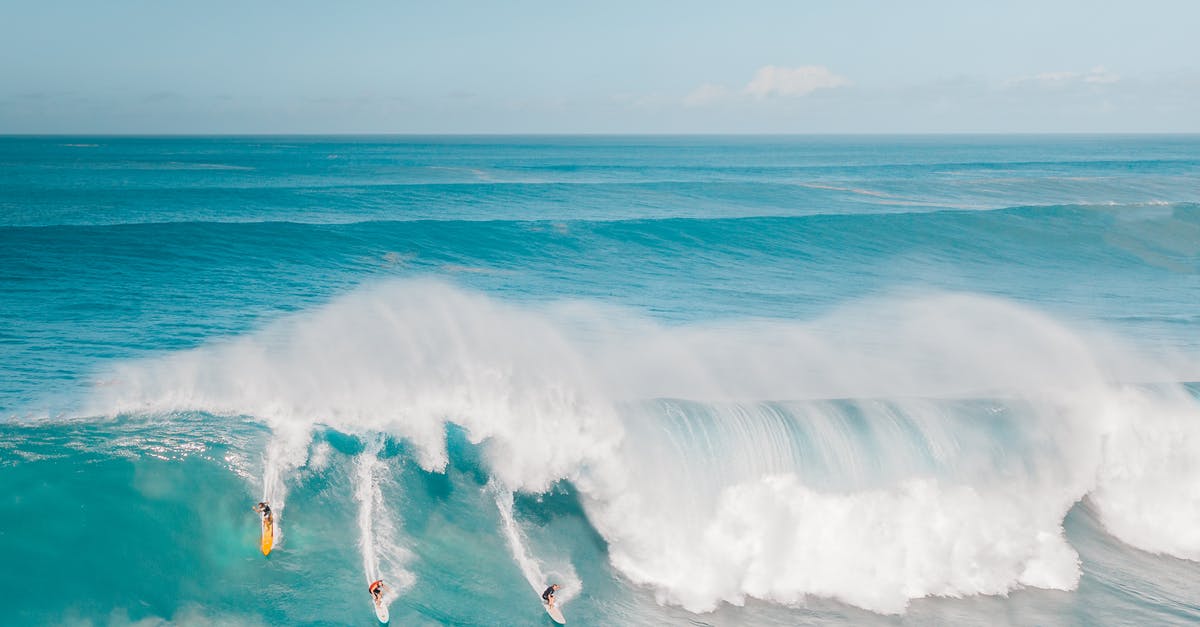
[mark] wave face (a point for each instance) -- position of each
(756, 381)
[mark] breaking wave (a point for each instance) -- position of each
(922, 444)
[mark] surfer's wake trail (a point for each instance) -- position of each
(384, 555)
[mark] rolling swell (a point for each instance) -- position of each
(338, 180)
(164, 286)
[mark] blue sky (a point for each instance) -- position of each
(598, 67)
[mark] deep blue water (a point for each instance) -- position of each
(730, 380)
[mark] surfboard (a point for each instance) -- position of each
(381, 612)
(555, 613)
(268, 536)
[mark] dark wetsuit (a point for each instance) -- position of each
(547, 594)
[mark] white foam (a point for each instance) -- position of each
(924, 504)
(1148, 486)
(775, 539)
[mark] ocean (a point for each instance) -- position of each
(811, 380)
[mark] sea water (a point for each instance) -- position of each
(693, 380)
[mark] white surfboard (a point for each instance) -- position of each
(381, 612)
(555, 613)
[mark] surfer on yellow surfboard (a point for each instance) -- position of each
(268, 526)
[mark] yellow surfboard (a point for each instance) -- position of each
(268, 536)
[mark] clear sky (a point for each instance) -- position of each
(650, 66)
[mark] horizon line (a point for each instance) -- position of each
(618, 134)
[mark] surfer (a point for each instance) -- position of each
(377, 588)
(548, 595)
(268, 527)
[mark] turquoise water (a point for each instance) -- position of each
(696, 380)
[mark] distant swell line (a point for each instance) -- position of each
(932, 213)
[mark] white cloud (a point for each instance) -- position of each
(705, 94)
(1098, 75)
(772, 80)
(655, 101)
(768, 81)
(1055, 77)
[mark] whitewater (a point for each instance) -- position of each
(719, 380)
